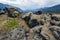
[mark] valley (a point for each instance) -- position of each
(17, 25)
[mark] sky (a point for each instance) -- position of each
(31, 4)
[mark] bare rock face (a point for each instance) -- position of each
(12, 11)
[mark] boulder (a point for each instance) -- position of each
(27, 18)
(37, 34)
(58, 30)
(15, 14)
(12, 11)
(38, 12)
(32, 23)
(56, 23)
(52, 23)
(55, 18)
(55, 33)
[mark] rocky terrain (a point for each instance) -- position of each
(30, 26)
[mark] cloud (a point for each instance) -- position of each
(31, 4)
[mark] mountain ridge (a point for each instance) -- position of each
(2, 6)
(55, 8)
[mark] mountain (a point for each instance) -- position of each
(55, 8)
(2, 6)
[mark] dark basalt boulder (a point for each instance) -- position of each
(55, 33)
(52, 23)
(55, 18)
(15, 14)
(38, 12)
(12, 11)
(58, 30)
(37, 34)
(27, 18)
(55, 23)
(32, 23)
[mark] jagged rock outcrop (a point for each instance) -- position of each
(32, 19)
(12, 11)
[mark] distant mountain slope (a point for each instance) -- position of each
(55, 8)
(2, 6)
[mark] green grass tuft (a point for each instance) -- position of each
(11, 23)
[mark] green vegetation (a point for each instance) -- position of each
(11, 23)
